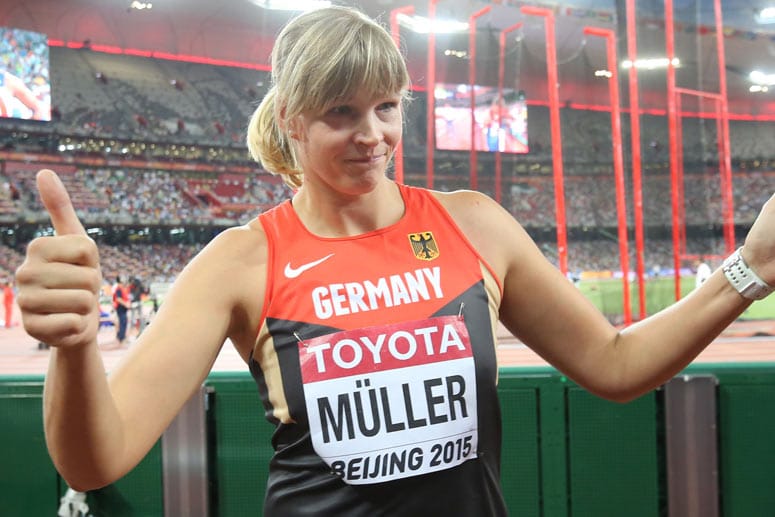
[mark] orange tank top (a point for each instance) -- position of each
(375, 358)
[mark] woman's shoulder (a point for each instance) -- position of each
(245, 243)
(464, 202)
(490, 228)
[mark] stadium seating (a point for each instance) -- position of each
(169, 117)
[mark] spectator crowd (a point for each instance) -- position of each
(151, 123)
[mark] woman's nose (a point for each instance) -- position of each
(368, 132)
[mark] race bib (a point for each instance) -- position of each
(393, 401)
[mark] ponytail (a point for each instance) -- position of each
(269, 146)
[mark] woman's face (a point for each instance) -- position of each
(348, 147)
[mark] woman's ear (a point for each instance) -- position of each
(288, 127)
(292, 129)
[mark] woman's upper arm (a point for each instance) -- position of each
(207, 303)
(539, 305)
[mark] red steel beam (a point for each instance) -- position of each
(726, 158)
(637, 181)
(552, 90)
(398, 159)
(430, 96)
(672, 130)
(616, 137)
(472, 165)
(698, 93)
(501, 73)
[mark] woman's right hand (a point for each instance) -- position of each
(60, 279)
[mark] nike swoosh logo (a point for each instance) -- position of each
(292, 272)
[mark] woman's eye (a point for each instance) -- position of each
(340, 110)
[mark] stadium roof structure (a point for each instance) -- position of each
(239, 31)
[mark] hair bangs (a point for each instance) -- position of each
(365, 61)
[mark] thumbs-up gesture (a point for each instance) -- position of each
(60, 279)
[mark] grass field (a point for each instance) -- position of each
(606, 294)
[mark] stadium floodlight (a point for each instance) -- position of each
(292, 5)
(651, 64)
(762, 79)
(422, 25)
(766, 15)
(139, 6)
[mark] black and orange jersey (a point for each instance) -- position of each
(376, 362)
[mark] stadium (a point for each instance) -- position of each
(652, 154)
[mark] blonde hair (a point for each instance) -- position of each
(320, 58)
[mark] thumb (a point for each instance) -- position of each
(55, 198)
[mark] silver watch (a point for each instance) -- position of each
(743, 277)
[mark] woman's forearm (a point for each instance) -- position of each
(84, 431)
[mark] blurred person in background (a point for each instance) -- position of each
(8, 302)
(122, 302)
(702, 272)
(135, 289)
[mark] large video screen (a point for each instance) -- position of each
(25, 87)
(499, 126)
